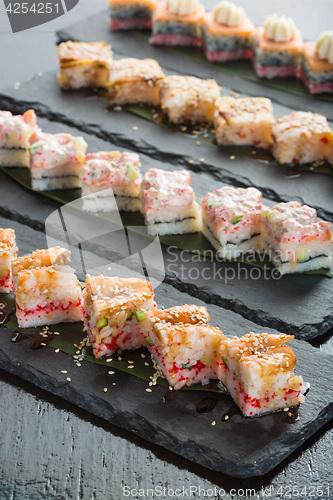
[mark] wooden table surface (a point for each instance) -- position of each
(51, 449)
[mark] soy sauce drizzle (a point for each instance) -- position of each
(4, 315)
(292, 416)
(17, 337)
(169, 396)
(233, 410)
(206, 405)
(37, 340)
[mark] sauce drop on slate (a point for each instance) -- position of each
(206, 405)
(4, 315)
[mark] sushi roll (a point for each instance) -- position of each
(227, 33)
(119, 171)
(301, 137)
(168, 202)
(15, 131)
(83, 64)
(135, 81)
(244, 121)
(231, 219)
(116, 313)
(55, 161)
(186, 353)
(177, 22)
(295, 238)
(131, 14)
(317, 64)
(260, 373)
(277, 48)
(8, 252)
(187, 99)
(39, 258)
(47, 296)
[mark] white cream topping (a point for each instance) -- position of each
(228, 13)
(279, 28)
(182, 7)
(324, 46)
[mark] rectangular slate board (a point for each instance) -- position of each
(298, 304)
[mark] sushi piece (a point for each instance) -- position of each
(277, 48)
(47, 296)
(186, 352)
(131, 14)
(119, 171)
(168, 202)
(317, 64)
(116, 313)
(244, 121)
(187, 99)
(301, 137)
(260, 373)
(177, 22)
(8, 251)
(15, 131)
(39, 258)
(55, 161)
(84, 64)
(227, 33)
(296, 240)
(135, 81)
(231, 219)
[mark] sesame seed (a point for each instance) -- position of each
(226, 417)
(206, 135)
(143, 355)
(213, 423)
(201, 159)
(285, 409)
(63, 371)
(57, 350)
(40, 74)
(105, 389)
(130, 366)
(108, 360)
(146, 364)
(119, 358)
(148, 390)
(113, 383)
(78, 364)
(56, 333)
(68, 379)
(198, 143)
(290, 414)
(134, 128)
(190, 161)
(17, 85)
(111, 372)
(232, 157)
(43, 344)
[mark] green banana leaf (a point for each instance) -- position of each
(71, 334)
(242, 69)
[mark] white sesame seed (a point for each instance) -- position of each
(213, 423)
(108, 360)
(63, 371)
(232, 157)
(68, 379)
(290, 414)
(148, 390)
(130, 366)
(105, 389)
(134, 128)
(57, 350)
(146, 364)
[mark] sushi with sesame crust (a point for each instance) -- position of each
(116, 313)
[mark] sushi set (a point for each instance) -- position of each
(125, 321)
(277, 49)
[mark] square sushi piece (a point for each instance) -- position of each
(277, 49)
(115, 170)
(231, 220)
(227, 34)
(185, 352)
(116, 313)
(15, 132)
(260, 373)
(168, 202)
(295, 238)
(135, 81)
(8, 251)
(317, 64)
(177, 23)
(40, 258)
(187, 99)
(48, 296)
(84, 64)
(301, 137)
(131, 14)
(245, 121)
(55, 161)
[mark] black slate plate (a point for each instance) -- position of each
(301, 304)
(239, 447)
